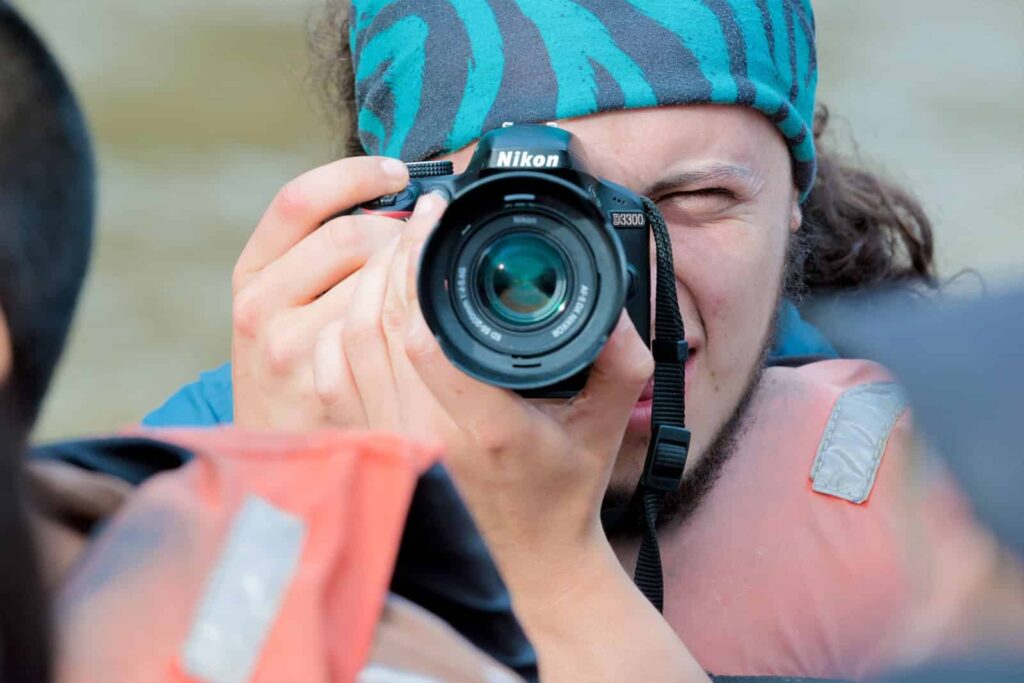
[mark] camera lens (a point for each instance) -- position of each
(523, 278)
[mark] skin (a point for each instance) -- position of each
(328, 333)
(5, 348)
(729, 252)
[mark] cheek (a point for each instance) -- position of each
(732, 274)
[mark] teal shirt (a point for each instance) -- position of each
(208, 401)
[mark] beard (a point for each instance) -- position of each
(681, 503)
(619, 512)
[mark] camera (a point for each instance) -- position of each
(534, 260)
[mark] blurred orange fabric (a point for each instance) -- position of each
(267, 558)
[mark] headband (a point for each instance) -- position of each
(433, 76)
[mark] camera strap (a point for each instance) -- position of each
(670, 440)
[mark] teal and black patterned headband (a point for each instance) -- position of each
(434, 75)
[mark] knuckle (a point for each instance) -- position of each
(392, 318)
(247, 312)
(291, 200)
(280, 351)
(492, 439)
(420, 348)
(344, 234)
(328, 390)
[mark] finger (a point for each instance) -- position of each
(323, 259)
(425, 216)
(308, 201)
(487, 413)
(599, 414)
(334, 303)
(366, 347)
(335, 384)
(424, 220)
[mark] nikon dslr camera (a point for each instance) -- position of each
(528, 271)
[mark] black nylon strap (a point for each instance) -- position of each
(666, 456)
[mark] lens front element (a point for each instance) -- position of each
(523, 279)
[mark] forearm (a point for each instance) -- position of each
(589, 622)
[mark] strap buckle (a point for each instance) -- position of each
(666, 459)
(675, 352)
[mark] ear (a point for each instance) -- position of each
(6, 353)
(796, 214)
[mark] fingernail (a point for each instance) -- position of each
(394, 168)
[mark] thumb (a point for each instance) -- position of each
(600, 412)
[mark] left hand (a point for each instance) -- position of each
(533, 474)
(381, 368)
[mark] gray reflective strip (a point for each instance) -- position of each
(375, 673)
(381, 674)
(244, 594)
(858, 430)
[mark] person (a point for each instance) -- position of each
(708, 108)
(46, 214)
(70, 531)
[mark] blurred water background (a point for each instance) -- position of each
(202, 109)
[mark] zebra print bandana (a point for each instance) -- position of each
(432, 76)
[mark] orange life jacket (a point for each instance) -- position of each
(267, 558)
(824, 549)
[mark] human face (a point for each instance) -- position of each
(722, 178)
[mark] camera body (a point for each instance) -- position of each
(528, 271)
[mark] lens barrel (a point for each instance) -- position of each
(523, 280)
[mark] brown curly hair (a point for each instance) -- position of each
(859, 229)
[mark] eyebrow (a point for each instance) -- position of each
(711, 173)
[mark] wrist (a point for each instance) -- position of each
(588, 621)
(547, 580)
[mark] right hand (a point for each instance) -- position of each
(296, 275)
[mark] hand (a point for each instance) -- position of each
(296, 275)
(379, 367)
(533, 473)
(328, 332)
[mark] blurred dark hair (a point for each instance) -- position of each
(46, 208)
(25, 633)
(46, 219)
(859, 229)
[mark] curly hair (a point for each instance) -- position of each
(859, 230)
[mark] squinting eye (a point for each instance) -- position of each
(705, 202)
(703, 193)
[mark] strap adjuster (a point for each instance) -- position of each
(670, 351)
(666, 459)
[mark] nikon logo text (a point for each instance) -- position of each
(522, 159)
